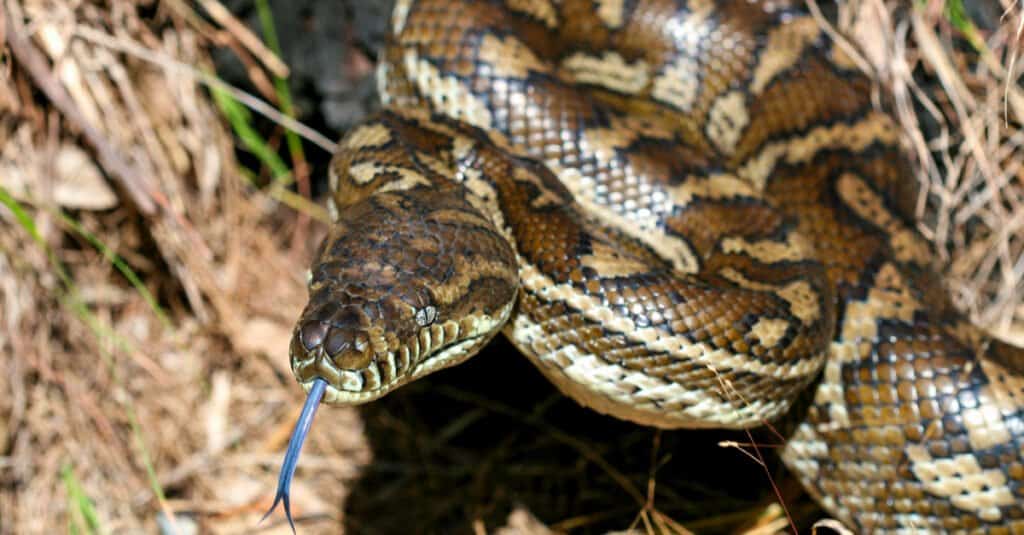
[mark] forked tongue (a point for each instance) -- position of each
(291, 457)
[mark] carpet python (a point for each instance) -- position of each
(684, 213)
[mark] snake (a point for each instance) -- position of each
(685, 214)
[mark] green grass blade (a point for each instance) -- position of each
(29, 224)
(21, 215)
(279, 192)
(147, 462)
(69, 298)
(280, 84)
(110, 256)
(82, 515)
(956, 14)
(240, 119)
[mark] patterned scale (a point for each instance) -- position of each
(684, 213)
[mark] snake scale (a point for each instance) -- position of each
(684, 213)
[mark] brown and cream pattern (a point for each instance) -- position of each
(685, 214)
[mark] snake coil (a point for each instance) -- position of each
(684, 213)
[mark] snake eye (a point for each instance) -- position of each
(425, 316)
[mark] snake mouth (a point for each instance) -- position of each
(432, 348)
(355, 387)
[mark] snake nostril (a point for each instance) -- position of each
(312, 334)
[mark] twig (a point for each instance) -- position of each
(863, 64)
(959, 96)
(254, 103)
(245, 36)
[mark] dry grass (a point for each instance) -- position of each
(187, 413)
(956, 89)
(120, 403)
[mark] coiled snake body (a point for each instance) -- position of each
(684, 213)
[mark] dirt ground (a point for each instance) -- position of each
(156, 222)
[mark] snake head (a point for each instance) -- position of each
(365, 348)
(352, 342)
(406, 283)
(336, 351)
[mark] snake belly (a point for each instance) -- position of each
(684, 214)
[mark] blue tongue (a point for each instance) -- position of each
(291, 457)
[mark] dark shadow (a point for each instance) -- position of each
(470, 443)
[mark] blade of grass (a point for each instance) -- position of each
(147, 462)
(284, 97)
(956, 14)
(82, 516)
(240, 119)
(100, 330)
(119, 263)
(69, 297)
(280, 193)
(280, 84)
(22, 216)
